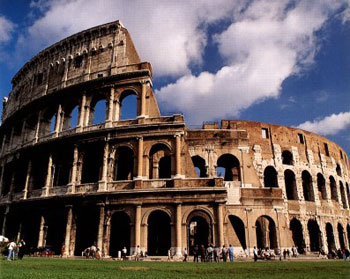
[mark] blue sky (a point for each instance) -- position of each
(279, 61)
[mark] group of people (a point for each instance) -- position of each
(263, 253)
(16, 249)
(211, 253)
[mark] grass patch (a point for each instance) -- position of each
(44, 268)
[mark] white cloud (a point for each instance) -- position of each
(6, 29)
(330, 125)
(266, 43)
(169, 34)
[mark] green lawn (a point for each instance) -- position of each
(45, 268)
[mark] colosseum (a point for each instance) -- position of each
(69, 177)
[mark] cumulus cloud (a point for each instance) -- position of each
(266, 43)
(6, 29)
(170, 34)
(330, 125)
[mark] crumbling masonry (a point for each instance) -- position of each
(67, 178)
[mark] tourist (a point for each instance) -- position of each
(202, 251)
(224, 253)
(138, 253)
(210, 253)
(216, 254)
(195, 253)
(255, 253)
(124, 252)
(230, 253)
(11, 247)
(21, 249)
(185, 255)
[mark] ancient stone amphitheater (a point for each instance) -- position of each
(70, 177)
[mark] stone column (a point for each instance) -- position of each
(37, 128)
(143, 98)
(82, 111)
(41, 239)
(7, 210)
(137, 226)
(11, 137)
(220, 225)
(26, 184)
(3, 144)
(110, 107)
(1, 177)
(140, 157)
(101, 227)
(58, 119)
(178, 155)
(23, 133)
(48, 183)
(68, 230)
(103, 182)
(74, 168)
(178, 230)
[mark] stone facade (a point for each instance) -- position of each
(67, 178)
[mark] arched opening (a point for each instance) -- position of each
(333, 185)
(199, 165)
(62, 162)
(128, 105)
(291, 187)
(9, 171)
(266, 235)
(87, 219)
(314, 236)
(348, 232)
(124, 164)
(92, 163)
(237, 232)
(231, 167)
(71, 116)
(342, 194)
(52, 124)
(39, 170)
(297, 235)
(341, 236)
(199, 230)
(20, 173)
(98, 112)
(287, 158)
(120, 233)
(55, 223)
(270, 177)
(30, 230)
(47, 122)
(159, 233)
(338, 170)
(330, 237)
(307, 186)
(321, 186)
(160, 162)
(347, 192)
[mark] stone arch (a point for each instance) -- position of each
(124, 163)
(314, 235)
(287, 158)
(291, 186)
(48, 121)
(124, 106)
(321, 186)
(342, 194)
(98, 108)
(30, 126)
(348, 234)
(330, 237)
(333, 186)
(120, 223)
(347, 193)
(71, 116)
(297, 234)
(237, 231)
(270, 177)
(341, 235)
(62, 162)
(199, 165)
(308, 188)
(266, 233)
(148, 212)
(160, 161)
(199, 229)
(231, 167)
(159, 233)
(92, 160)
(338, 170)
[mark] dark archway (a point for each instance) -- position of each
(62, 161)
(266, 235)
(347, 192)
(348, 233)
(333, 185)
(307, 186)
(199, 230)
(270, 177)
(159, 233)
(297, 235)
(314, 236)
(239, 232)
(341, 236)
(291, 187)
(30, 229)
(338, 170)
(321, 186)
(330, 237)
(287, 158)
(231, 166)
(124, 164)
(120, 233)
(342, 195)
(92, 163)
(160, 162)
(165, 167)
(199, 164)
(55, 223)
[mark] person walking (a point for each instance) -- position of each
(11, 247)
(185, 255)
(21, 249)
(124, 252)
(230, 253)
(255, 253)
